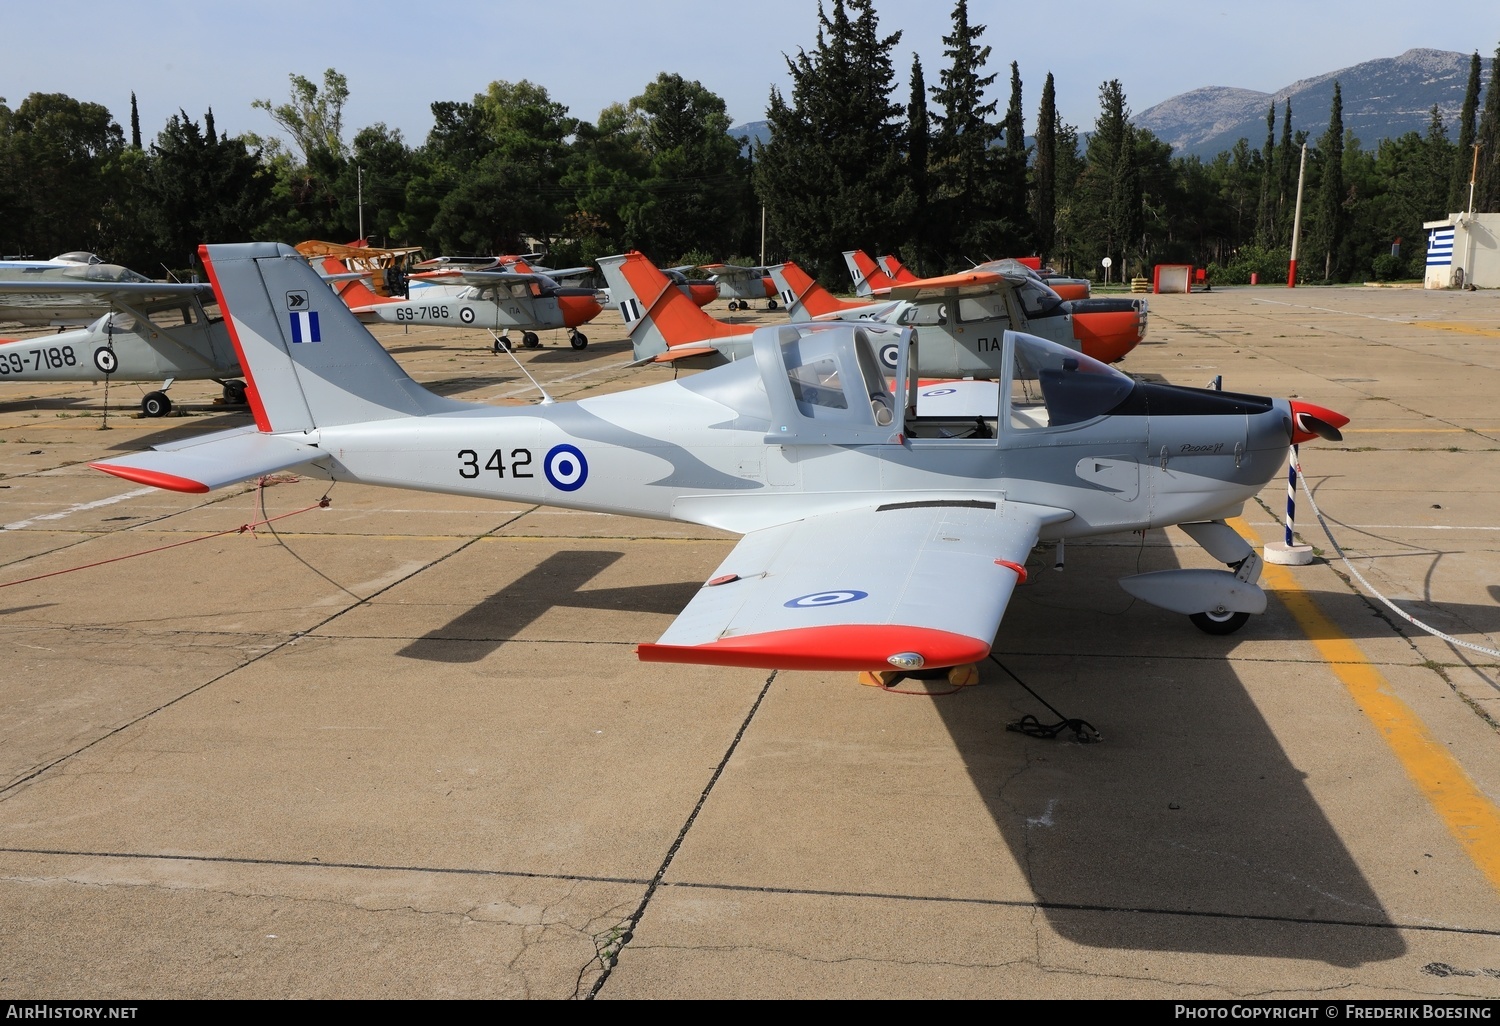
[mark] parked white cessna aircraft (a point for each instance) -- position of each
(805, 449)
(156, 332)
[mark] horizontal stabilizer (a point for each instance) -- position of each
(212, 461)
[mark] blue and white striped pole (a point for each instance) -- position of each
(1291, 495)
(1288, 552)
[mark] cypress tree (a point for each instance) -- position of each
(1265, 226)
(1013, 199)
(918, 149)
(1286, 178)
(135, 123)
(1331, 215)
(1487, 184)
(1110, 194)
(1458, 189)
(1044, 172)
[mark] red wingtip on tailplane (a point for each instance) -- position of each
(154, 478)
(1309, 422)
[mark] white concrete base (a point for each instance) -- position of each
(1283, 554)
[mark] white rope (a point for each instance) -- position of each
(1371, 588)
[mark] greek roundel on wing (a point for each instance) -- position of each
(889, 355)
(938, 391)
(466, 314)
(826, 598)
(106, 360)
(565, 467)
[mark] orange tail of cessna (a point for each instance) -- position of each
(664, 322)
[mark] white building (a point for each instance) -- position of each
(1463, 251)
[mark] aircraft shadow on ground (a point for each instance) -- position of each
(175, 429)
(558, 580)
(1189, 828)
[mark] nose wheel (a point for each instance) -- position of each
(1219, 621)
(578, 340)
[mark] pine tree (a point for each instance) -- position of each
(1044, 172)
(1331, 219)
(833, 162)
(1458, 189)
(1487, 183)
(963, 160)
(135, 123)
(1110, 195)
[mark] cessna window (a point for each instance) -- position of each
(925, 313)
(1052, 386)
(518, 290)
(1038, 300)
(987, 309)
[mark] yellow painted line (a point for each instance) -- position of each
(1467, 329)
(1469, 816)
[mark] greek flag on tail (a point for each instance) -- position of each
(305, 327)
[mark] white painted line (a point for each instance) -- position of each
(80, 507)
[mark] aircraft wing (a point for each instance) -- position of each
(733, 271)
(848, 590)
(966, 283)
(211, 461)
(21, 293)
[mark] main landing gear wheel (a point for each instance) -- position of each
(502, 344)
(578, 340)
(1219, 621)
(156, 404)
(234, 393)
(530, 340)
(770, 304)
(734, 305)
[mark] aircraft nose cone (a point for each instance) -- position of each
(1310, 421)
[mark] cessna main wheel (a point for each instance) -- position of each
(1219, 621)
(156, 404)
(530, 340)
(234, 392)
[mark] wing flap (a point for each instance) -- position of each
(213, 461)
(849, 590)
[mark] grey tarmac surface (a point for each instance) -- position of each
(402, 747)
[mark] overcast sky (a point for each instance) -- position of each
(589, 53)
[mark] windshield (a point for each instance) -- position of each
(1052, 385)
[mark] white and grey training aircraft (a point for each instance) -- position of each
(154, 331)
(46, 307)
(806, 448)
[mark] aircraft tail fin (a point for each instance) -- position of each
(803, 297)
(308, 362)
(896, 270)
(867, 274)
(355, 292)
(657, 313)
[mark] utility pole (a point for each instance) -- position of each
(359, 178)
(1291, 271)
(763, 230)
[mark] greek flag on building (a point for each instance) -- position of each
(1440, 247)
(305, 326)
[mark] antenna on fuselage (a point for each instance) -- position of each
(547, 400)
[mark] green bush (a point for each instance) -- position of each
(1269, 264)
